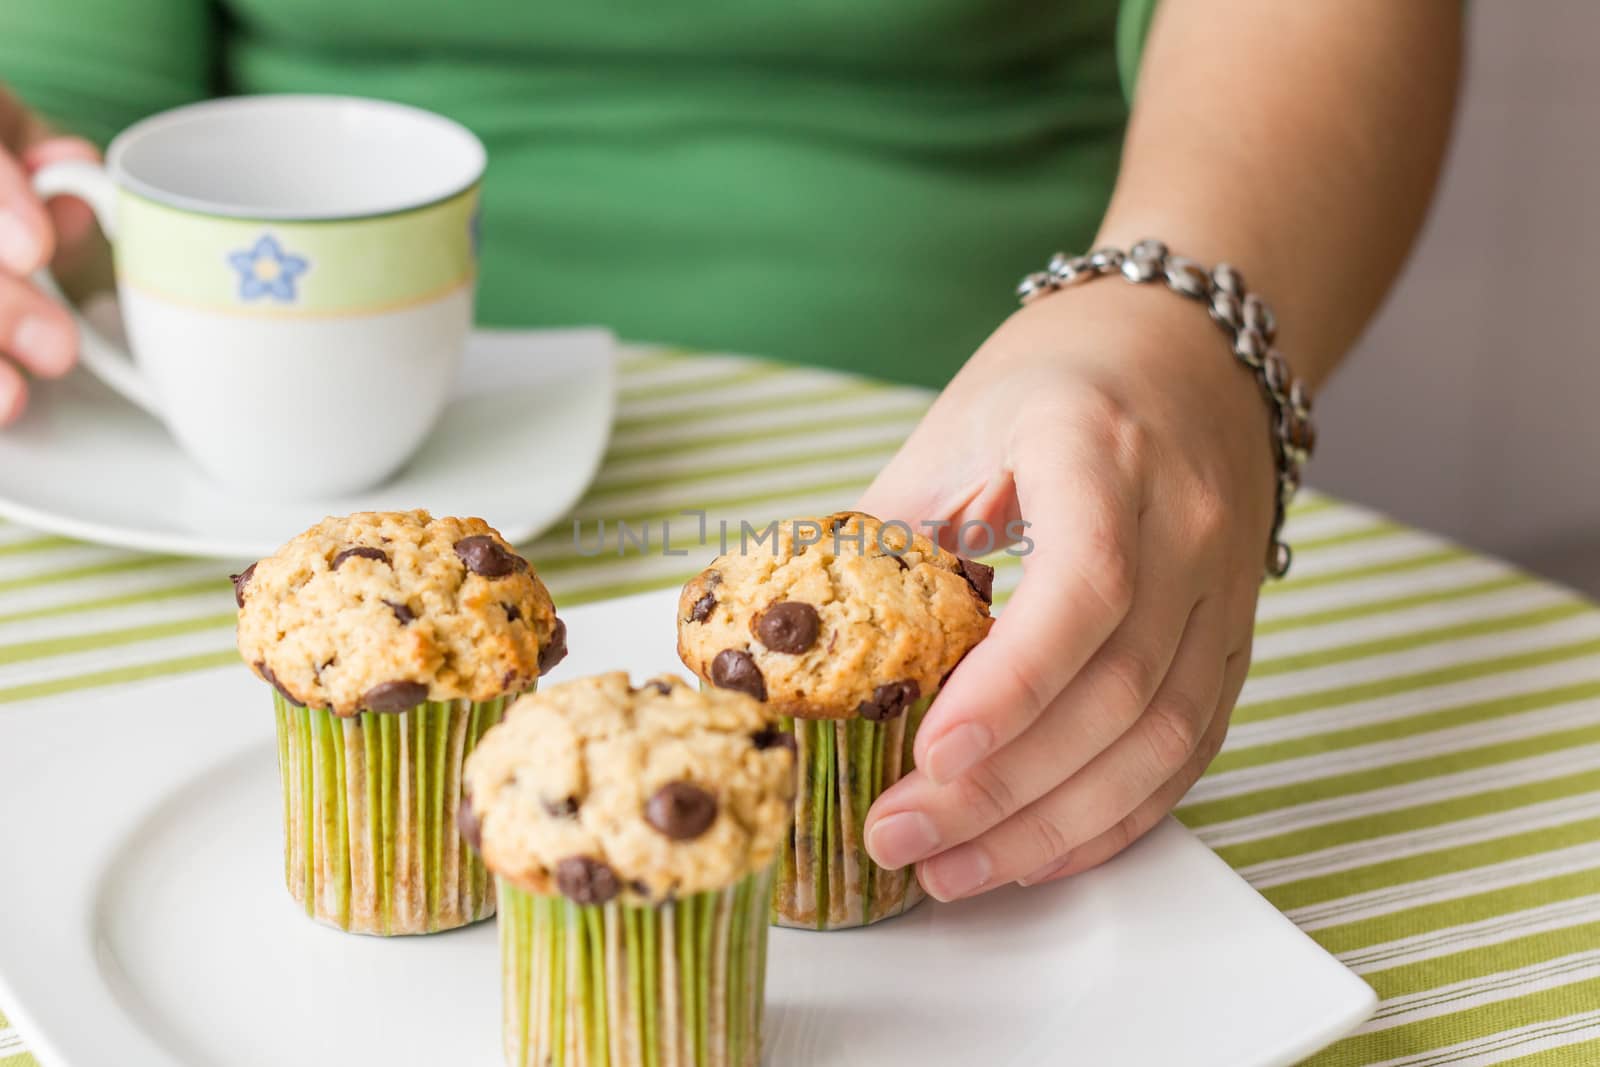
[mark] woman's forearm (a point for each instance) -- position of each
(1299, 141)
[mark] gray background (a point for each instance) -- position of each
(1470, 406)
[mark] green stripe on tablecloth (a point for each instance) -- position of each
(594, 593)
(1455, 897)
(609, 488)
(1460, 672)
(115, 566)
(1303, 545)
(1347, 938)
(764, 435)
(1481, 962)
(1409, 726)
(641, 361)
(119, 675)
(141, 596)
(658, 390)
(1402, 820)
(1415, 866)
(1480, 1022)
(1367, 608)
(35, 544)
(1310, 503)
(1294, 583)
(1386, 774)
(827, 395)
(1322, 657)
(56, 646)
(734, 505)
(1585, 1052)
(10, 1043)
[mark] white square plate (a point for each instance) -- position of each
(143, 922)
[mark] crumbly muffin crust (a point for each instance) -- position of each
(382, 610)
(855, 625)
(596, 789)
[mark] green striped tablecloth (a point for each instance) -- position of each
(1413, 773)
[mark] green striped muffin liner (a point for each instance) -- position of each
(825, 879)
(369, 816)
(681, 984)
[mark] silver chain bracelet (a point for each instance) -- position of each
(1251, 330)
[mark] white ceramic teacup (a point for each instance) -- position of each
(296, 277)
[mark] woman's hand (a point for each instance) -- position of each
(1114, 421)
(36, 334)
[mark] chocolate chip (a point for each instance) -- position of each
(978, 575)
(702, 608)
(363, 551)
(241, 580)
(266, 672)
(898, 558)
(788, 626)
(394, 696)
(639, 888)
(555, 650)
(401, 612)
(771, 737)
(565, 808)
(734, 669)
(713, 579)
(837, 523)
(467, 823)
(586, 881)
(889, 700)
(660, 686)
(681, 810)
(513, 613)
(487, 557)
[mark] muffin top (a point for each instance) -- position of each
(379, 611)
(842, 617)
(595, 789)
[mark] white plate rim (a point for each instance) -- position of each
(1356, 1000)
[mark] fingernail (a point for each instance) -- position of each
(957, 874)
(902, 838)
(18, 249)
(951, 755)
(1049, 870)
(42, 344)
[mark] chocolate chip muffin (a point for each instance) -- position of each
(381, 611)
(392, 642)
(845, 626)
(632, 830)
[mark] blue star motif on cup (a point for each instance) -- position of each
(266, 270)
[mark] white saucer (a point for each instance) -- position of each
(517, 447)
(145, 923)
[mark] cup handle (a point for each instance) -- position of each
(107, 361)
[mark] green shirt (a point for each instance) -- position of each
(829, 181)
